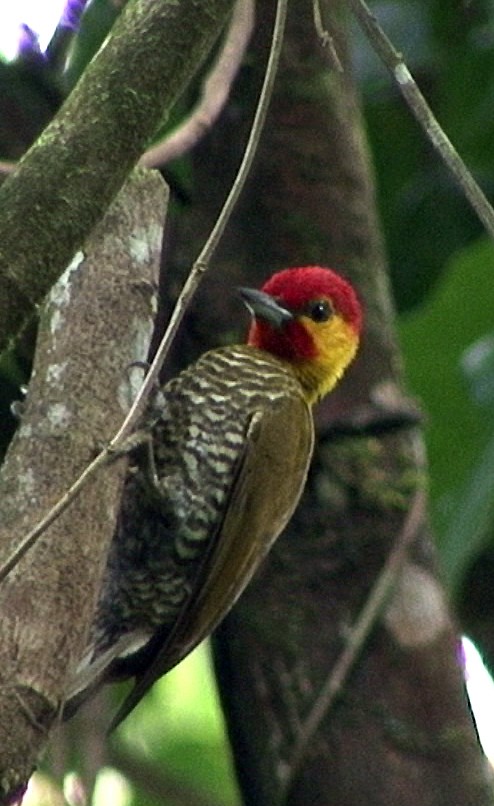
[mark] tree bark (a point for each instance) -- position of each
(69, 177)
(400, 730)
(97, 320)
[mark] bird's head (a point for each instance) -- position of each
(311, 318)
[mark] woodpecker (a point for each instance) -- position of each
(230, 441)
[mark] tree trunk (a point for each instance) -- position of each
(399, 731)
(79, 394)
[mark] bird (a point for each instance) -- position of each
(229, 443)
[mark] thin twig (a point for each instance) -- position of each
(117, 443)
(61, 505)
(154, 780)
(202, 262)
(423, 113)
(325, 37)
(359, 633)
(215, 93)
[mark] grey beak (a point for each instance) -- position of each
(262, 306)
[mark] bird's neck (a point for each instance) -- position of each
(319, 375)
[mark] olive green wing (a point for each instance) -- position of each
(270, 476)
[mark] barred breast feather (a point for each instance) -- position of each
(230, 443)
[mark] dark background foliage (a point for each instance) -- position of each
(442, 270)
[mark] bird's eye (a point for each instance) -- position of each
(320, 310)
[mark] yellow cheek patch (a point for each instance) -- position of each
(336, 343)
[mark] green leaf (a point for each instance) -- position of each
(471, 522)
(478, 366)
(458, 313)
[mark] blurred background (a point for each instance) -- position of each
(442, 272)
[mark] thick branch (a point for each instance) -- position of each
(97, 321)
(215, 92)
(66, 181)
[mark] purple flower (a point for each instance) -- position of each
(72, 14)
(15, 798)
(461, 656)
(28, 47)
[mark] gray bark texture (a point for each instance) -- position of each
(97, 320)
(70, 175)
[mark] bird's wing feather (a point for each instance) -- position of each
(258, 508)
